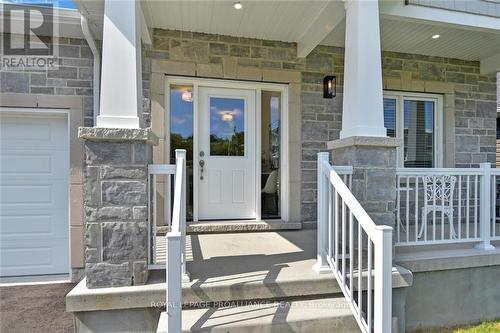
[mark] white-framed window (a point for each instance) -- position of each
(417, 121)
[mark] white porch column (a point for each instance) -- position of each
(363, 112)
(121, 75)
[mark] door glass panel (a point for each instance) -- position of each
(418, 133)
(271, 154)
(181, 134)
(227, 126)
(390, 116)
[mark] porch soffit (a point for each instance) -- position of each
(416, 38)
(406, 29)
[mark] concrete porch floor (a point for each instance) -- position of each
(246, 266)
(230, 266)
(236, 270)
(262, 252)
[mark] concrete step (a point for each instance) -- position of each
(217, 227)
(316, 315)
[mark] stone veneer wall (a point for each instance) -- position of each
(74, 76)
(115, 203)
(472, 96)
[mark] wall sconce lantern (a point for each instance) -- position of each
(329, 83)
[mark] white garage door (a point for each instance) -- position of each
(33, 194)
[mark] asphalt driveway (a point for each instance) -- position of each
(35, 308)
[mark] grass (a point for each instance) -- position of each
(486, 327)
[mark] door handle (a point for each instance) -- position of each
(202, 168)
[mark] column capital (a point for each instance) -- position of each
(132, 135)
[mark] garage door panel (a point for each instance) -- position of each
(34, 163)
(34, 196)
(34, 172)
(41, 257)
(33, 131)
(33, 226)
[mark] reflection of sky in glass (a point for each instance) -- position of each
(56, 3)
(226, 116)
(275, 112)
(416, 106)
(181, 113)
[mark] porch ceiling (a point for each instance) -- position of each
(415, 37)
(271, 20)
(404, 28)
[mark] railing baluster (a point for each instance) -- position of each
(153, 227)
(416, 208)
(433, 211)
(452, 217)
(493, 205)
(398, 208)
(485, 212)
(167, 209)
(460, 207)
(360, 270)
(330, 220)
(475, 206)
(442, 206)
(351, 253)
(336, 229)
(343, 240)
(467, 207)
(369, 289)
(408, 208)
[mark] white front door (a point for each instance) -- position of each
(225, 157)
(33, 194)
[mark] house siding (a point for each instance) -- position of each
(479, 7)
(472, 97)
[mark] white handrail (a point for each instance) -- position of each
(176, 247)
(350, 200)
(355, 249)
(155, 170)
(438, 171)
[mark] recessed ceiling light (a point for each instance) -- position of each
(435, 36)
(237, 5)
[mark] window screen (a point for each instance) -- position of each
(414, 120)
(418, 134)
(390, 116)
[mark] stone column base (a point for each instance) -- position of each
(374, 173)
(116, 205)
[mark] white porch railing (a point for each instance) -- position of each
(495, 204)
(355, 249)
(175, 239)
(159, 180)
(436, 206)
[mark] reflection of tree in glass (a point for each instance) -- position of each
(177, 141)
(233, 146)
